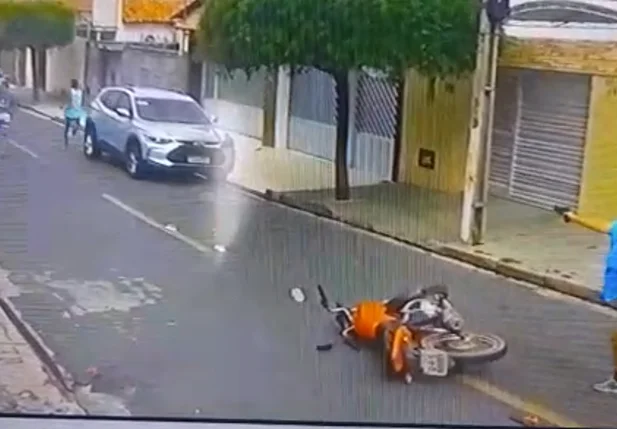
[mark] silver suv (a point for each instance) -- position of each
(157, 129)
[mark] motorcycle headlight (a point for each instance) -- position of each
(428, 308)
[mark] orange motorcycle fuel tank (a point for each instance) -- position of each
(367, 318)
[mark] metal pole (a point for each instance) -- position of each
(476, 127)
(87, 61)
(490, 93)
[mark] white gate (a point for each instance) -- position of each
(312, 119)
(375, 125)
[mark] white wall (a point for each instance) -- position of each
(235, 117)
(106, 13)
(65, 63)
(135, 33)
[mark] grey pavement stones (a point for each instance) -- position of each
(25, 384)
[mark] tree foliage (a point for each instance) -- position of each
(35, 23)
(435, 37)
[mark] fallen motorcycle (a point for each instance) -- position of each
(421, 333)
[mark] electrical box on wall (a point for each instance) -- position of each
(426, 159)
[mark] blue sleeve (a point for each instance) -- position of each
(612, 231)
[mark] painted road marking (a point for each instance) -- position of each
(154, 224)
(519, 404)
(22, 148)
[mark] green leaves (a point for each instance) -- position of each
(436, 37)
(36, 23)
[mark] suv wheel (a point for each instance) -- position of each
(91, 148)
(134, 161)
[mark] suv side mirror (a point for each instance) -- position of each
(123, 112)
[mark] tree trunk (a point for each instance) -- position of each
(341, 175)
(34, 62)
(398, 131)
(269, 120)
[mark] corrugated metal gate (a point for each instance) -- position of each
(504, 130)
(312, 123)
(375, 125)
(548, 151)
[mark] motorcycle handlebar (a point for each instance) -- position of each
(323, 299)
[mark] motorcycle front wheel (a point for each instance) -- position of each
(471, 349)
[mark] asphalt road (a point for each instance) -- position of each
(179, 329)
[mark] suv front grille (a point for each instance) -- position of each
(180, 155)
(198, 143)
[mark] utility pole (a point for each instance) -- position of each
(88, 47)
(475, 197)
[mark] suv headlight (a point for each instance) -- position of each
(157, 140)
(228, 142)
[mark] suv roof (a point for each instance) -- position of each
(147, 92)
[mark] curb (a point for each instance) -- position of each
(39, 112)
(479, 260)
(64, 379)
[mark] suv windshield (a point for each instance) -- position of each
(168, 110)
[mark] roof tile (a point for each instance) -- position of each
(153, 11)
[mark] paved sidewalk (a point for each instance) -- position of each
(523, 242)
(25, 386)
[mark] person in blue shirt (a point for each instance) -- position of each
(73, 111)
(609, 289)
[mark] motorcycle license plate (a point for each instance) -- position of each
(199, 160)
(434, 363)
(5, 118)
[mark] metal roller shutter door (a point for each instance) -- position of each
(504, 130)
(548, 156)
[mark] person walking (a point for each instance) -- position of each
(8, 103)
(73, 111)
(609, 288)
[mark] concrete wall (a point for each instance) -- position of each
(136, 33)
(598, 195)
(598, 58)
(435, 119)
(8, 62)
(138, 66)
(106, 13)
(65, 63)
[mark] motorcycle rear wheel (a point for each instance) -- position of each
(473, 349)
